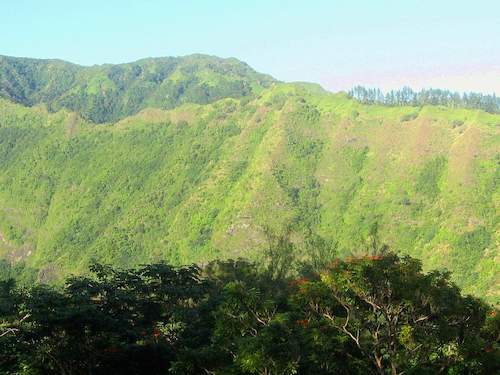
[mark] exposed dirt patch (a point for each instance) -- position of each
(260, 114)
(47, 274)
(17, 254)
(149, 115)
(183, 115)
(422, 141)
(462, 155)
(179, 115)
(72, 125)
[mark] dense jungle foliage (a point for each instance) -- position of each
(104, 93)
(155, 174)
(203, 182)
(374, 314)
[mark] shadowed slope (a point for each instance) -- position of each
(104, 93)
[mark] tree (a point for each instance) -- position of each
(372, 314)
(400, 319)
(406, 96)
(124, 321)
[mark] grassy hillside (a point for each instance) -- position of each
(199, 182)
(110, 92)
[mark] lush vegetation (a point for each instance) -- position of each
(110, 92)
(204, 182)
(377, 314)
(197, 160)
(406, 96)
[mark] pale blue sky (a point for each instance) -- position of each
(337, 43)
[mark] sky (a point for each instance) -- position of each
(337, 43)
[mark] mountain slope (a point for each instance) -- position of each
(106, 93)
(199, 182)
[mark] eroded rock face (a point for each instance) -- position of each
(20, 253)
(47, 274)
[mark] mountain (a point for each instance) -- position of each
(111, 92)
(193, 179)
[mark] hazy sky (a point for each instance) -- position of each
(339, 43)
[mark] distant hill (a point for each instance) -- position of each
(209, 178)
(104, 93)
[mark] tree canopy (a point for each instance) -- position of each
(407, 97)
(372, 314)
(104, 93)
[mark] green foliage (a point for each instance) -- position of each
(409, 117)
(390, 311)
(18, 271)
(470, 247)
(124, 321)
(427, 181)
(286, 175)
(202, 182)
(111, 92)
(364, 315)
(406, 96)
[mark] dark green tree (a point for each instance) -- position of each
(400, 319)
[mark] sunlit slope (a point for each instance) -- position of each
(206, 181)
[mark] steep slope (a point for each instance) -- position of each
(206, 181)
(110, 92)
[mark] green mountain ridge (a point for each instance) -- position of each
(104, 93)
(193, 181)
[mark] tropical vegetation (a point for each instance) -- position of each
(375, 314)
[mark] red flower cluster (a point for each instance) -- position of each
(299, 282)
(303, 322)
